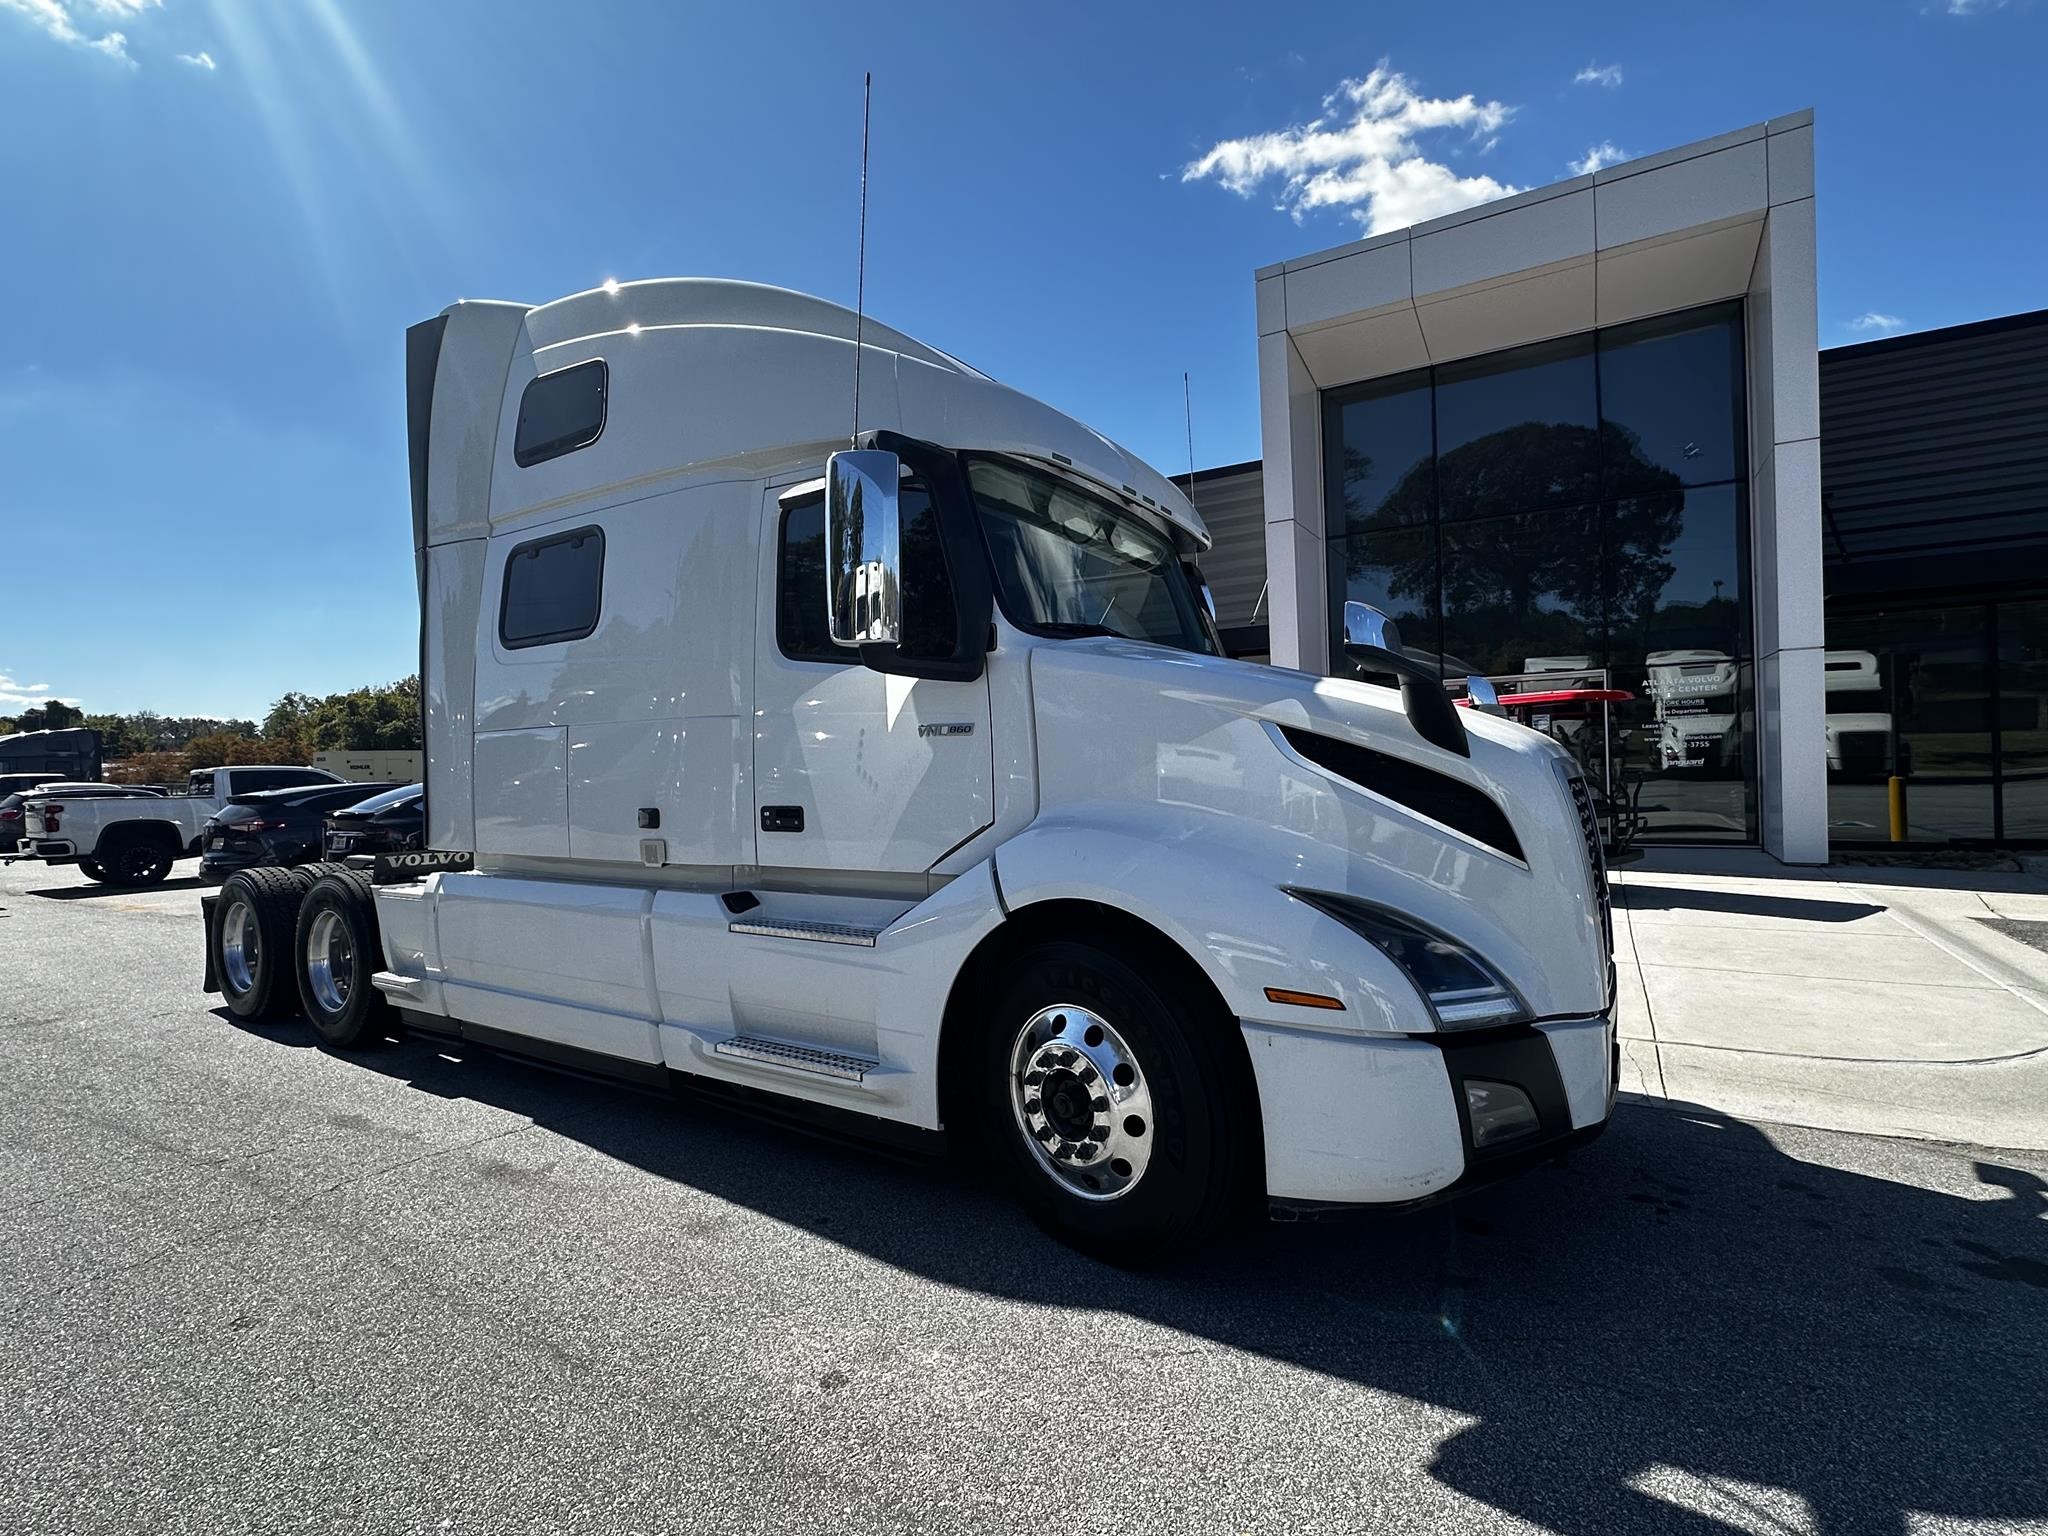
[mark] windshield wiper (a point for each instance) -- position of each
(1069, 631)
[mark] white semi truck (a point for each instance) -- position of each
(904, 787)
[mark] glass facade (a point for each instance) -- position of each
(1955, 700)
(1565, 508)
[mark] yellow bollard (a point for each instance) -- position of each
(1897, 796)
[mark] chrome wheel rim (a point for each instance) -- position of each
(1082, 1102)
(330, 961)
(241, 947)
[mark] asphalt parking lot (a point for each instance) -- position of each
(249, 1286)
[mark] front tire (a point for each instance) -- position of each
(254, 924)
(1111, 1104)
(335, 954)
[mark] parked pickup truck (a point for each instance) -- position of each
(121, 841)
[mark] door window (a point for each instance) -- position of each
(803, 630)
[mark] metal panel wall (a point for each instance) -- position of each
(1232, 503)
(1935, 476)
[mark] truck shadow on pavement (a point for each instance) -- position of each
(1639, 896)
(1688, 1330)
(92, 892)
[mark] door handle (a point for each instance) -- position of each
(782, 818)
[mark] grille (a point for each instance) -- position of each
(1589, 829)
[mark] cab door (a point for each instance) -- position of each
(857, 770)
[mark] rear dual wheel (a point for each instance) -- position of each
(303, 939)
(254, 924)
(337, 949)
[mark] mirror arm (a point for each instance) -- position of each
(1430, 710)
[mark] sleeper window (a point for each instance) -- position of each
(803, 629)
(552, 589)
(560, 412)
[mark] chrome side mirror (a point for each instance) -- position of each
(1484, 696)
(863, 548)
(1373, 640)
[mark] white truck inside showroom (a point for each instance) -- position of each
(905, 788)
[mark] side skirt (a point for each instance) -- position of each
(828, 1122)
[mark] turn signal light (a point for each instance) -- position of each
(1301, 999)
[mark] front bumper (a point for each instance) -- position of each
(1380, 1121)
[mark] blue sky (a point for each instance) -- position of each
(220, 215)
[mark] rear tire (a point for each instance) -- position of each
(136, 860)
(1106, 1096)
(334, 954)
(254, 924)
(91, 869)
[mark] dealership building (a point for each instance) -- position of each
(1583, 438)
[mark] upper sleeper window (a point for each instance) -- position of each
(552, 589)
(561, 412)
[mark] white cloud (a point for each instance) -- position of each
(1363, 154)
(1871, 320)
(57, 20)
(15, 697)
(1603, 153)
(200, 60)
(1973, 7)
(1608, 75)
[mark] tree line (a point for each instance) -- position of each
(148, 748)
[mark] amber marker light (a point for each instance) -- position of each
(1302, 999)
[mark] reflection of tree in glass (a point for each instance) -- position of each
(1530, 585)
(928, 617)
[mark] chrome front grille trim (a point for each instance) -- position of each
(1596, 860)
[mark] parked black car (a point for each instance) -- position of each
(386, 823)
(274, 826)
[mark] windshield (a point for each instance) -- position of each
(1068, 563)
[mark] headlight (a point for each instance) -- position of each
(1462, 990)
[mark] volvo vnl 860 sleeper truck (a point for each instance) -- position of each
(896, 773)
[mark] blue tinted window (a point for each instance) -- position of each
(1378, 444)
(1671, 402)
(1517, 430)
(1395, 571)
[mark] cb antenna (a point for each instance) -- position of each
(1187, 405)
(860, 281)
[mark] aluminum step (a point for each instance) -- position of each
(804, 928)
(798, 1058)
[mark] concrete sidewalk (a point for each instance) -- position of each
(1902, 1002)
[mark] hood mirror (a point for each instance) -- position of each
(863, 547)
(1373, 641)
(1368, 630)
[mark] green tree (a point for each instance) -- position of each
(53, 716)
